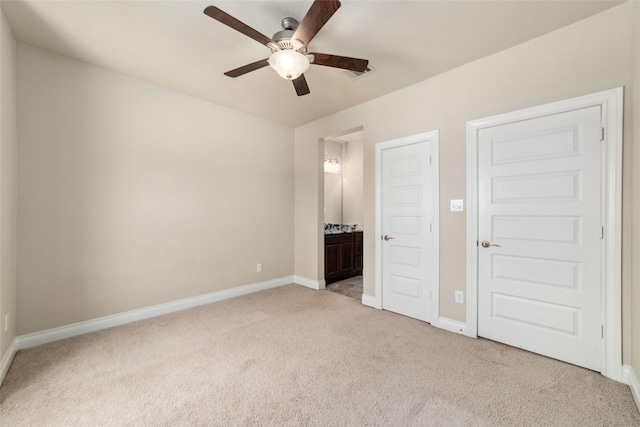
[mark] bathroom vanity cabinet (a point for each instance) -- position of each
(342, 256)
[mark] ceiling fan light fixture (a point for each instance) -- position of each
(289, 57)
(288, 63)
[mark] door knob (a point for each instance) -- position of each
(486, 244)
(387, 237)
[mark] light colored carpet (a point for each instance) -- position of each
(294, 356)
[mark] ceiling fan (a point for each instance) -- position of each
(289, 55)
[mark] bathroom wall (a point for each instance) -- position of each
(352, 183)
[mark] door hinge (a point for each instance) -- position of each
(602, 232)
(430, 227)
(429, 160)
(601, 134)
(601, 331)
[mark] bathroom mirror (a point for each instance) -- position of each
(333, 152)
(332, 198)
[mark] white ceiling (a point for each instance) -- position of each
(175, 45)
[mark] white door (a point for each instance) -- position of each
(539, 204)
(407, 258)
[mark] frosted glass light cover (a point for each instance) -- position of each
(288, 63)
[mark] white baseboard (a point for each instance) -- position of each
(369, 301)
(450, 325)
(7, 359)
(63, 332)
(632, 380)
(309, 283)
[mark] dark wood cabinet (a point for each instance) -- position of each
(342, 256)
(357, 252)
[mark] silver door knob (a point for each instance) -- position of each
(486, 244)
(387, 237)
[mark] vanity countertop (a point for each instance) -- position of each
(329, 233)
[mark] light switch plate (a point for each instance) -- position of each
(457, 206)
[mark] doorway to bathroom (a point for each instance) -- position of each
(343, 213)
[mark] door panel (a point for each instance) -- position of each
(539, 188)
(534, 188)
(346, 257)
(549, 229)
(406, 209)
(332, 260)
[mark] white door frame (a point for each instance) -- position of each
(611, 102)
(434, 138)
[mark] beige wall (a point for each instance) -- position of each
(131, 195)
(309, 208)
(589, 56)
(8, 185)
(634, 330)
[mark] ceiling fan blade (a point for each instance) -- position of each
(301, 85)
(247, 68)
(353, 64)
(318, 15)
(237, 25)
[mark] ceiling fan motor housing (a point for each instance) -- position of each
(284, 38)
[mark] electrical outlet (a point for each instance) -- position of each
(259, 268)
(460, 297)
(6, 322)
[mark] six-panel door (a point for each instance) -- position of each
(539, 202)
